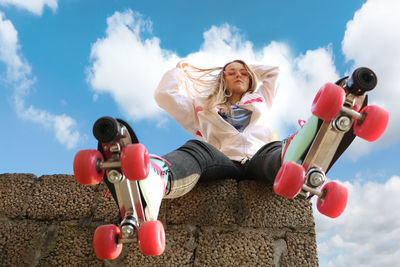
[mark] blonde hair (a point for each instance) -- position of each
(211, 84)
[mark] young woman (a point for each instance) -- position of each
(227, 110)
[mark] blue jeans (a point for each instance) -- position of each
(198, 161)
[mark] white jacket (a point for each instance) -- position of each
(209, 126)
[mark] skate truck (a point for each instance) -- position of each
(122, 162)
(340, 113)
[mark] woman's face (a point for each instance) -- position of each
(237, 80)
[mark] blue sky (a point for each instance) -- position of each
(63, 64)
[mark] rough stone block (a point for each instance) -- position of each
(70, 244)
(179, 251)
(214, 203)
(19, 240)
(234, 248)
(60, 197)
(261, 207)
(301, 250)
(106, 210)
(16, 190)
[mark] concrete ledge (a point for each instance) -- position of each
(50, 221)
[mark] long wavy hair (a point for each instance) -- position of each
(211, 85)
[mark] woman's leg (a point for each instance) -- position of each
(194, 161)
(265, 164)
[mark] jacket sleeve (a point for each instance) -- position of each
(177, 104)
(268, 78)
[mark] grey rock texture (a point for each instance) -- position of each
(50, 221)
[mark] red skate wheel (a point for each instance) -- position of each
(374, 123)
(85, 167)
(106, 242)
(135, 162)
(289, 180)
(328, 102)
(152, 238)
(334, 199)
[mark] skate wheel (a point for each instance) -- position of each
(328, 101)
(374, 124)
(289, 180)
(106, 242)
(334, 200)
(135, 162)
(85, 167)
(151, 238)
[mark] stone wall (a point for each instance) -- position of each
(50, 220)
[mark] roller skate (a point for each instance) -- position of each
(137, 182)
(340, 113)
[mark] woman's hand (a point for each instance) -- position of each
(182, 64)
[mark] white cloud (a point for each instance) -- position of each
(221, 45)
(34, 6)
(17, 68)
(128, 66)
(19, 77)
(368, 232)
(371, 40)
(63, 126)
(301, 78)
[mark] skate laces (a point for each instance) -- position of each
(159, 170)
(106, 195)
(301, 122)
(159, 158)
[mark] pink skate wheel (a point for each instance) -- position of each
(85, 167)
(328, 101)
(135, 162)
(106, 242)
(289, 180)
(152, 238)
(334, 200)
(374, 123)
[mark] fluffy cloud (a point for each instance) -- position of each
(371, 40)
(19, 77)
(127, 66)
(368, 232)
(34, 6)
(300, 78)
(128, 62)
(17, 68)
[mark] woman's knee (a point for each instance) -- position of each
(201, 149)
